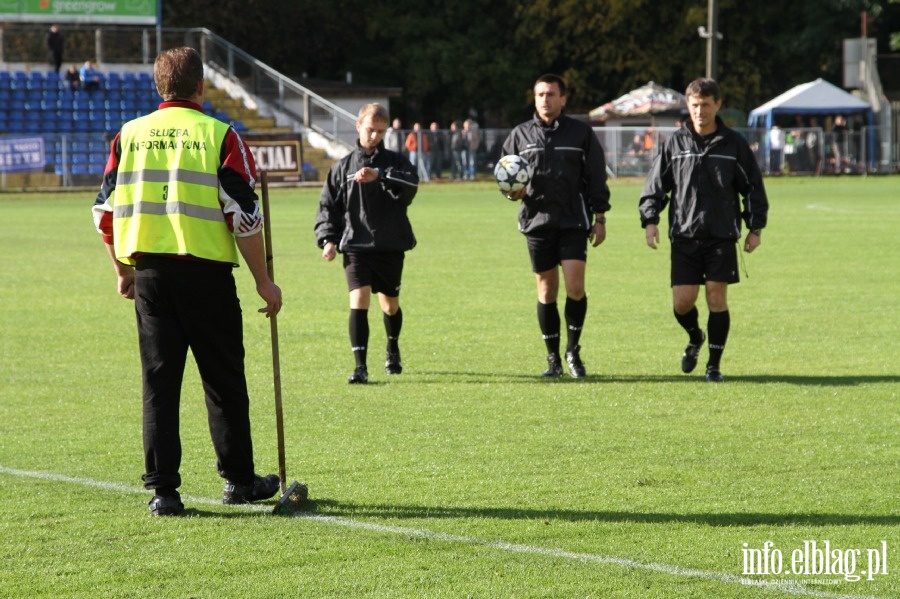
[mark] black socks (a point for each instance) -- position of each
(359, 335)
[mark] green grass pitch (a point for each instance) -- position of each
(468, 475)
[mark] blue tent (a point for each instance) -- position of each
(812, 99)
(815, 98)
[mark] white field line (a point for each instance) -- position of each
(788, 588)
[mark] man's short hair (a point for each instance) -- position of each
(551, 78)
(703, 87)
(178, 72)
(374, 110)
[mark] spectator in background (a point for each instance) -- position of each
(457, 151)
(798, 158)
(55, 44)
(73, 78)
(393, 137)
(473, 141)
(417, 145)
(813, 146)
(90, 77)
(436, 151)
(637, 145)
(649, 141)
(839, 143)
(776, 148)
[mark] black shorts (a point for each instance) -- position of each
(379, 270)
(548, 248)
(695, 261)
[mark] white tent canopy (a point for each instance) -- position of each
(814, 98)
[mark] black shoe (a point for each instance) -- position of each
(713, 375)
(554, 366)
(360, 376)
(166, 505)
(392, 363)
(691, 353)
(576, 366)
(262, 487)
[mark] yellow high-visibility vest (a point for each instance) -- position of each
(166, 199)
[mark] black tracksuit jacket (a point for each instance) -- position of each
(703, 179)
(569, 181)
(368, 217)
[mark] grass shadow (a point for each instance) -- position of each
(759, 379)
(328, 507)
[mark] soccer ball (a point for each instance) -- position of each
(512, 173)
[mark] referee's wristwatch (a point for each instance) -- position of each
(757, 232)
(599, 219)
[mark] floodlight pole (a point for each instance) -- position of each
(712, 36)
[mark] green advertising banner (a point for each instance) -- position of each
(115, 12)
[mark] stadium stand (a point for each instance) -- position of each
(78, 125)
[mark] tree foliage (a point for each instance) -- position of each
(480, 57)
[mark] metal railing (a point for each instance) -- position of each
(281, 93)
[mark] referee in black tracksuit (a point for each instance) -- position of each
(362, 214)
(703, 170)
(562, 209)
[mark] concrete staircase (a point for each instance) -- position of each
(250, 117)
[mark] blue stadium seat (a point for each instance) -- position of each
(32, 126)
(80, 169)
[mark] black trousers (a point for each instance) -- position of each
(182, 304)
